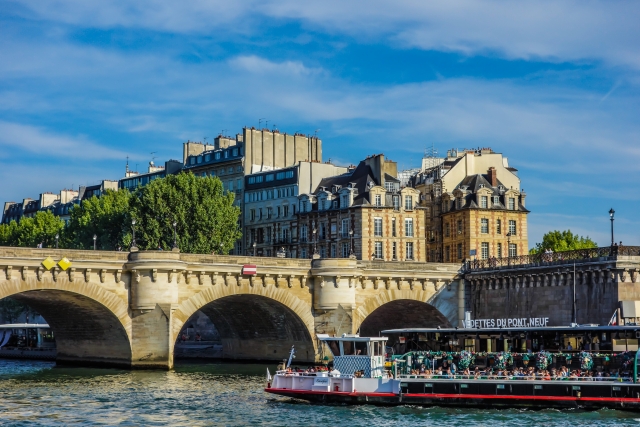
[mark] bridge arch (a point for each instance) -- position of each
(253, 322)
(91, 325)
(397, 308)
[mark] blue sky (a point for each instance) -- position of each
(554, 85)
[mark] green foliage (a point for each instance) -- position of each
(559, 241)
(29, 232)
(107, 217)
(11, 309)
(206, 219)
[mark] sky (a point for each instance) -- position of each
(553, 85)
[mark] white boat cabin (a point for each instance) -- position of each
(357, 356)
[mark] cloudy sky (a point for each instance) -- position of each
(554, 85)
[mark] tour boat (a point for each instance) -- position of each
(27, 341)
(603, 373)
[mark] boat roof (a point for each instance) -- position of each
(24, 326)
(473, 331)
(349, 337)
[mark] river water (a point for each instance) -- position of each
(41, 394)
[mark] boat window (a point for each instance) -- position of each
(348, 348)
(361, 348)
(377, 348)
(334, 347)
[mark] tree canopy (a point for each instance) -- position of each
(108, 217)
(205, 216)
(559, 241)
(31, 231)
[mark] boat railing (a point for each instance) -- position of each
(484, 377)
(312, 374)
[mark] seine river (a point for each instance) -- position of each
(40, 394)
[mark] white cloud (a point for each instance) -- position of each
(42, 143)
(256, 64)
(567, 30)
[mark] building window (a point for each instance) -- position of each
(484, 226)
(512, 227)
(408, 227)
(252, 214)
(285, 211)
(459, 250)
(513, 250)
(269, 213)
(345, 228)
(393, 227)
(345, 201)
(323, 231)
(484, 250)
(499, 250)
(269, 177)
(335, 204)
(377, 227)
(217, 156)
(483, 202)
(496, 200)
(459, 226)
(408, 203)
(377, 250)
(334, 253)
(303, 253)
(498, 226)
(409, 249)
(394, 251)
(459, 203)
(396, 203)
(378, 200)
(303, 233)
(512, 204)
(323, 252)
(447, 229)
(447, 254)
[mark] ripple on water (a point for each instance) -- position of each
(40, 394)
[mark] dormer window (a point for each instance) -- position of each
(512, 204)
(459, 203)
(378, 200)
(496, 200)
(345, 201)
(483, 202)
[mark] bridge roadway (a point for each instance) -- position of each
(127, 308)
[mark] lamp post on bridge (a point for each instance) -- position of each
(611, 213)
(254, 248)
(509, 248)
(94, 241)
(57, 238)
(133, 229)
(175, 236)
(315, 238)
(351, 237)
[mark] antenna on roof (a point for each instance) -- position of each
(316, 133)
(205, 139)
(153, 158)
(223, 131)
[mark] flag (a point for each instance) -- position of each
(614, 319)
(268, 375)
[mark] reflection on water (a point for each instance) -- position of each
(38, 393)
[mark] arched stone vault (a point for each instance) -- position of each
(254, 322)
(91, 324)
(389, 303)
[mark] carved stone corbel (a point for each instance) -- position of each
(634, 276)
(8, 272)
(227, 279)
(154, 275)
(399, 283)
(303, 281)
(252, 281)
(103, 275)
(375, 283)
(290, 281)
(411, 284)
(424, 284)
(623, 275)
(87, 275)
(201, 277)
(278, 280)
(337, 282)
(118, 275)
(39, 272)
(25, 271)
(188, 276)
(364, 281)
(214, 278)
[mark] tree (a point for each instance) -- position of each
(107, 217)
(559, 241)
(205, 216)
(31, 231)
(10, 310)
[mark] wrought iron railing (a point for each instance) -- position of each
(553, 257)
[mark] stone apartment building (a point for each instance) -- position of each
(60, 204)
(363, 212)
(271, 206)
(473, 201)
(253, 151)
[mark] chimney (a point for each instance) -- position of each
(493, 178)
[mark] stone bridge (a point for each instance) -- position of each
(543, 285)
(128, 308)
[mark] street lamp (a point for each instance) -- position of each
(94, 241)
(175, 236)
(611, 213)
(254, 248)
(351, 237)
(509, 248)
(315, 240)
(57, 238)
(133, 229)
